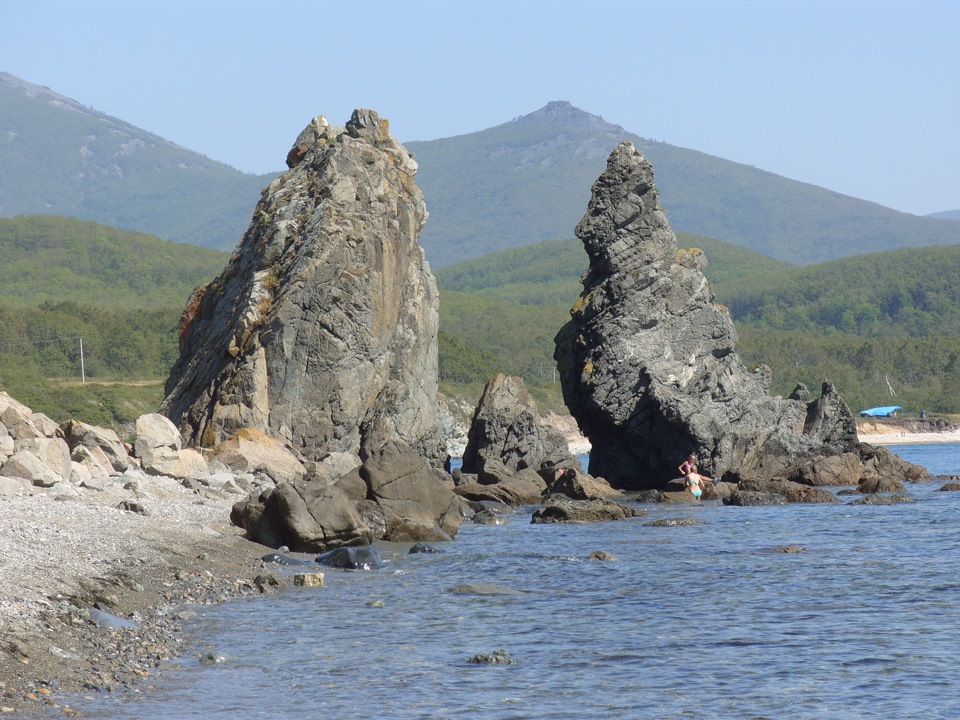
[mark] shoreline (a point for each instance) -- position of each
(92, 597)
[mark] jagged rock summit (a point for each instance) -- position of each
(322, 330)
(648, 367)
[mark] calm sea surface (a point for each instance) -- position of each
(707, 622)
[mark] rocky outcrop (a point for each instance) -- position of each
(393, 495)
(561, 509)
(495, 482)
(648, 368)
(507, 427)
(322, 330)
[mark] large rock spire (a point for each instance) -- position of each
(322, 330)
(647, 362)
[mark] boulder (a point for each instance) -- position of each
(561, 509)
(28, 467)
(648, 365)
(352, 558)
(322, 329)
(52, 453)
(333, 466)
(577, 485)
(496, 482)
(6, 443)
(417, 500)
(13, 485)
(745, 498)
(508, 428)
(93, 460)
(794, 492)
(303, 516)
(394, 495)
(872, 485)
(254, 452)
(19, 420)
(81, 435)
(155, 431)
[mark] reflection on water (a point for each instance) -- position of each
(710, 621)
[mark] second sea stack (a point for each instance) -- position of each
(648, 367)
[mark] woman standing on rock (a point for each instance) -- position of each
(695, 481)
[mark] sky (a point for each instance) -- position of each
(858, 96)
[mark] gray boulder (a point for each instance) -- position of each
(305, 517)
(160, 449)
(28, 467)
(21, 423)
(322, 330)
(81, 435)
(417, 500)
(395, 495)
(647, 361)
(577, 485)
(508, 428)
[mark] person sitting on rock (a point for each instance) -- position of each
(695, 481)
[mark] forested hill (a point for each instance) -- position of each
(89, 315)
(529, 180)
(899, 293)
(51, 259)
(549, 272)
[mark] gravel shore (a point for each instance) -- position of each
(92, 596)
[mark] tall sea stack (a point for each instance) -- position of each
(648, 368)
(322, 330)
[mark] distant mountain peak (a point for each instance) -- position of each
(563, 112)
(33, 90)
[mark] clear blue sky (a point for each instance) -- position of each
(858, 96)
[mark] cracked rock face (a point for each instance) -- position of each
(322, 330)
(647, 361)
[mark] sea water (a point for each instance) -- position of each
(706, 621)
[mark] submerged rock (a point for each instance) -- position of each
(561, 509)
(648, 367)
(497, 657)
(352, 558)
(322, 330)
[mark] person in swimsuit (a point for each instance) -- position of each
(695, 481)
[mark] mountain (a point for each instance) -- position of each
(946, 215)
(59, 157)
(522, 182)
(529, 180)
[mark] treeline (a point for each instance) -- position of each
(874, 325)
(899, 293)
(126, 356)
(49, 258)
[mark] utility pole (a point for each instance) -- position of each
(83, 372)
